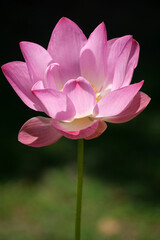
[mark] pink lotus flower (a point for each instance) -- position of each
(78, 83)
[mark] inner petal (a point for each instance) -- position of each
(52, 78)
(75, 125)
(100, 94)
(82, 96)
(105, 90)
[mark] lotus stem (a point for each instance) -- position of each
(79, 189)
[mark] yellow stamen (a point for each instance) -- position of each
(98, 95)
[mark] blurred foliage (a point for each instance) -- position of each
(46, 210)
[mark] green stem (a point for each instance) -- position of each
(79, 189)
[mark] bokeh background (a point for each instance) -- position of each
(121, 198)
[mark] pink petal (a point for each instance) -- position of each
(137, 105)
(121, 66)
(100, 129)
(37, 86)
(115, 48)
(116, 101)
(132, 63)
(65, 44)
(55, 104)
(82, 96)
(80, 134)
(38, 132)
(75, 125)
(37, 59)
(52, 77)
(17, 75)
(93, 57)
(125, 64)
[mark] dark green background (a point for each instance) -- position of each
(127, 153)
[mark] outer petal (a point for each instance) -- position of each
(65, 44)
(100, 129)
(122, 58)
(132, 62)
(125, 65)
(80, 134)
(115, 48)
(116, 101)
(17, 75)
(37, 59)
(137, 105)
(121, 66)
(82, 96)
(55, 104)
(93, 57)
(38, 132)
